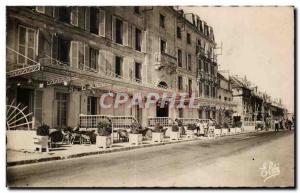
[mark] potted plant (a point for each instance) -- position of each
(42, 138)
(103, 139)
(136, 134)
(190, 130)
(175, 134)
(158, 133)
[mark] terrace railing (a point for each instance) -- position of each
(163, 121)
(91, 121)
(122, 122)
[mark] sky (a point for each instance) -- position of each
(257, 42)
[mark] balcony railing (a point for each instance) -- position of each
(163, 58)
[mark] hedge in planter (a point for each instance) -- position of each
(103, 139)
(41, 139)
(158, 133)
(175, 135)
(190, 130)
(136, 134)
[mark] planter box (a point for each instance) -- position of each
(174, 135)
(190, 133)
(238, 130)
(157, 137)
(217, 132)
(225, 131)
(232, 130)
(103, 142)
(135, 139)
(40, 143)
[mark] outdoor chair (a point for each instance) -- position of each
(123, 135)
(66, 137)
(85, 139)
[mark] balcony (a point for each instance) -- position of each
(165, 61)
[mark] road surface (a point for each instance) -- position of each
(232, 161)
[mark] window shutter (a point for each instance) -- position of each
(74, 53)
(40, 9)
(87, 19)
(131, 70)
(102, 23)
(101, 61)
(81, 17)
(81, 55)
(144, 41)
(130, 35)
(49, 11)
(74, 16)
(86, 55)
(125, 33)
(111, 62)
(56, 12)
(54, 46)
(113, 29)
(133, 36)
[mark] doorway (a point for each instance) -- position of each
(162, 111)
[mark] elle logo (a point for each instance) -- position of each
(269, 169)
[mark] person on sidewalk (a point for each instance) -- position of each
(276, 125)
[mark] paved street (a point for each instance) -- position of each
(227, 161)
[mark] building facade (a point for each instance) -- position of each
(61, 60)
(254, 105)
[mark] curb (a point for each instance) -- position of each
(106, 151)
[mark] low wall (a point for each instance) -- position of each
(20, 139)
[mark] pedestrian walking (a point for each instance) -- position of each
(276, 125)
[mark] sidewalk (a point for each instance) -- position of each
(15, 158)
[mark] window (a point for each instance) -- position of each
(62, 109)
(206, 67)
(200, 113)
(200, 65)
(138, 39)
(138, 72)
(188, 38)
(137, 10)
(178, 32)
(180, 86)
(214, 114)
(161, 21)
(163, 46)
(213, 89)
(94, 23)
(26, 45)
(189, 62)
(212, 71)
(180, 112)
(225, 98)
(206, 90)
(63, 50)
(179, 58)
(220, 97)
(190, 87)
(200, 89)
(119, 31)
(118, 66)
(93, 63)
(92, 106)
(64, 14)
